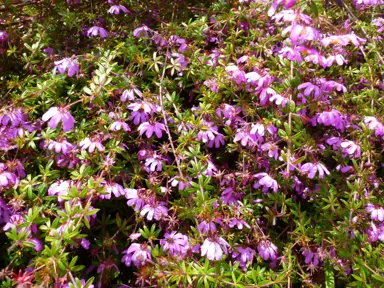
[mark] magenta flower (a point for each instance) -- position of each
(37, 243)
(112, 187)
(96, 30)
(141, 111)
(135, 198)
(5, 212)
(243, 255)
(59, 188)
(116, 9)
(61, 146)
(91, 144)
(154, 163)
(350, 148)
(3, 36)
(142, 31)
(207, 226)
(342, 40)
(7, 178)
(291, 54)
(332, 118)
(213, 248)
(57, 114)
(130, 94)
(175, 243)
(151, 127)
(230, 196)
(267, 250)
(69, 64)
(139, 254)
(379, 22)
(267, 182)
(13, 221)
(239, 223)
(300, 33)
(377, 213)
(272, 149)
(236, 74)
(311, 258)
(118, 125)
(156, 210)
(311, 169)
(12, 117)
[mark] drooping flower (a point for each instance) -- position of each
(213, 248)
(116, 9)
(267, 250)
(57, 114)
(142, 31)
(243, 255)
(139, 254)
(311, 170)
(97, 31)
(69, 64)
(266, 181)
(61, 146)
(175, 243)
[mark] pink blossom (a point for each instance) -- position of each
(377, 212)
(57, 114)
(267, 250)
(266, 181)
(115, 9)
(156, 210)
(139, 254)
(142, 31)
(311, 169)
(69, 64)
(151, 127)
(213, 248)
(91, 144)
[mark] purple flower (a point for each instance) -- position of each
(263, 179)
(154, 163)
(140, 111)
(311, 169)
(130, 94)
(85, 243)
(332, 118)
(96, 30)
(236, 74)
(38, 246)
(13, 221)
(243, 255)
(207, 226)
(311, 258)
(176, 243)
(156, 210)
(5, 212)
(300, 33)
(230, 196)
(135, 198)
(142, 31)
(267, 250)
(213, 247)
(91, 144)
(69, 64)
(238, 223)
(139, 254)
(151, 127)
(272, 149)
(7, 178)
(62, 146)
(118, 125)
(115, 9)
(59, 188)
(3, 36)
(57, 114)
(350, 148)
(112, 187)
(377, 213)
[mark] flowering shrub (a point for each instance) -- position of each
(237, 144)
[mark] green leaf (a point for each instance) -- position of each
(329, 275)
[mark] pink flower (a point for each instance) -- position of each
(135, 198)
(154, 163)
(112, 187)
(243, 255)
(151, 127)
(3, 36)
(59, 188)
(350, 148)
(7, 178)
(57, 114)
(301, 33)
(213, 247)
(69, 64)
(239, 223)
(130, 94)
(141, 111)
(96, 30)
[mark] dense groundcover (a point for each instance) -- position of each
(191, 143)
